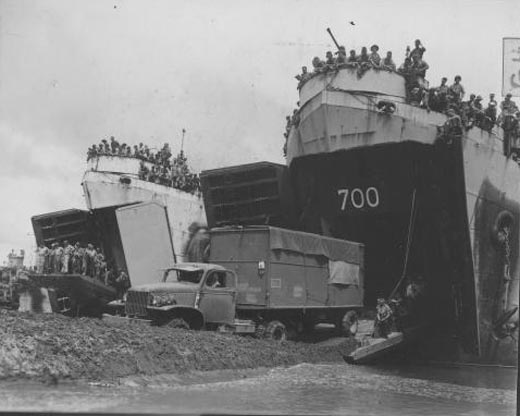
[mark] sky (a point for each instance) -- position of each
(75, 71)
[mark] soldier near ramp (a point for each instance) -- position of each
(383, 322)
(77, 259)
(198, 246)
(122, 284)
(58, 258)
(66, 260)
(88, 261)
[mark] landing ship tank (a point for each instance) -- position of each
(449, 214)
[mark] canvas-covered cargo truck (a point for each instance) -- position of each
(260, 280)
(292, 280)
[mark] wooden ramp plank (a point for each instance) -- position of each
(372, 348)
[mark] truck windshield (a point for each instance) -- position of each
(184, 276)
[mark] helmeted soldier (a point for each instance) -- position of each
(303, 77)
(453, 127)
(388, 62)
(352, 57)
(374, 57)
(106, 146)
(508, 106)
(342, 56)
(419, 67)
(363, 57)
(491, 109)
(441, 95)
(456, 91)
(114, 145)
(317, 64)
(329, 60)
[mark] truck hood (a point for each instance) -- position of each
(170, 287)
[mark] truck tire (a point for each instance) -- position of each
(276, 331)
(349, 324)
(178, 323)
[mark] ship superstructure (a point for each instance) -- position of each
(114, 181)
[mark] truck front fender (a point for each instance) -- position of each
(192, 316)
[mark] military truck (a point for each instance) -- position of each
(261, 280)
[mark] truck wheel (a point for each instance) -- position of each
(276, 331)
(178, 323)
(349, 324)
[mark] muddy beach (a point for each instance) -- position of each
(51, 348)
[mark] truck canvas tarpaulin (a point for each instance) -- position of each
(280, 268)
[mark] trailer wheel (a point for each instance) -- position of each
(276, 331)
(178, 323)
(350, 324)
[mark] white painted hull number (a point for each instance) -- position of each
(358, 198)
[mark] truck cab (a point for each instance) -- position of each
(189, 295)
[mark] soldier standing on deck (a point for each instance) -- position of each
(77, 259)
(418, 50)
(58, 258)
(88, 261)
(491, 109)
(456, 91)
(374, 57)
(388, 62)
(67, 257)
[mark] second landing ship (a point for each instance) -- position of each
(365, 165)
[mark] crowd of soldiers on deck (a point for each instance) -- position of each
(447, 99)
(164, 169)
(77, 259)
(174, 173)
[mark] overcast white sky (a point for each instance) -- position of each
(73, 72)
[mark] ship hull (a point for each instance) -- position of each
(421, 208)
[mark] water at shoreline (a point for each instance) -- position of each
(302, 389)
